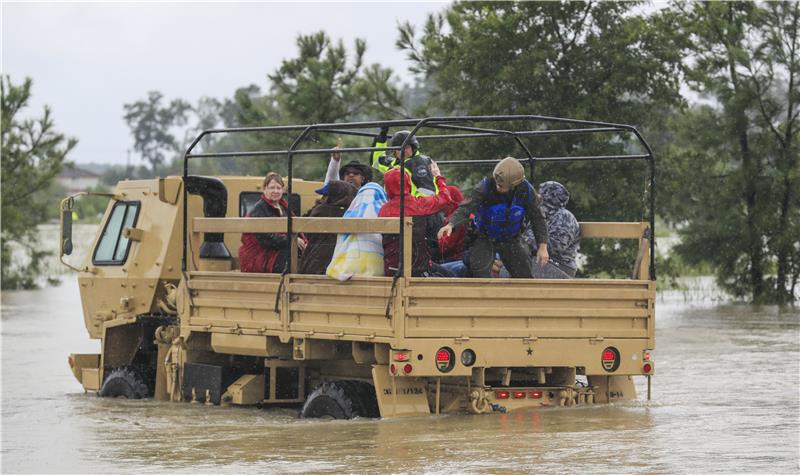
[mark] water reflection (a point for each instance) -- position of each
(169, 436)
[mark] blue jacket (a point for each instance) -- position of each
(485, 202)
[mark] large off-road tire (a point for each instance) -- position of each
(341, 400)
(125, 383)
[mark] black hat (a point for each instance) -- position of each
(399, 137)
(364, 170)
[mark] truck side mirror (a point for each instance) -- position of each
(66, 226)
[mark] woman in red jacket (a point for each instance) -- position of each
(267, 252)
(420, 207)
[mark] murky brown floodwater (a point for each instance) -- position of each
(725, 399)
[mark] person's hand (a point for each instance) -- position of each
(336, 156)
(446, 230)
(301, 244)
(497, 264)
(435, 169)
(542, 257)
(383, 135)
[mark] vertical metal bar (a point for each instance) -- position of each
(406, 251)
(652, 159)
(185, 207)
(652, 220)
(401, 268)
(648, 387)
(292, 263)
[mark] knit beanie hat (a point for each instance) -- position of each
(509, 172)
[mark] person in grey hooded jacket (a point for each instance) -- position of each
(563, 234)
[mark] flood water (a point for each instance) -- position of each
(725, 400)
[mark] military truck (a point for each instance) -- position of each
(177, 321)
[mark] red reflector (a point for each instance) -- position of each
(609, 356)
(647, 368)
(443, 355)
(519, 394)
(392, 369)
(407, 368)
(536, 394)
(501, 394)
(401, 356)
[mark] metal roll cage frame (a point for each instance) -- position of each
(440, 123)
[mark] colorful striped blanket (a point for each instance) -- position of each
(360, 254)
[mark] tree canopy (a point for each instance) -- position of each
(733, 171)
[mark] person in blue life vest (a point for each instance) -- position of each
(500, 205)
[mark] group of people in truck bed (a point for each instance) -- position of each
(502, 228)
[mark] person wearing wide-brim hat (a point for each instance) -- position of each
(355, 173)
(500, 204)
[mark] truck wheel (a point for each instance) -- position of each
(125, 383)
(341, 400)
(369, 402)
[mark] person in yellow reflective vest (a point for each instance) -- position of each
(418, 166)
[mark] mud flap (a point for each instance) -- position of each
(613, 388)
(399, 397)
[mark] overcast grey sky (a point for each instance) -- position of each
(88, 59)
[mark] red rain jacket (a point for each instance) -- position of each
(418, 206)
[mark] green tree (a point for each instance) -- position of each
(152, 126)
(33, 154)
(734, 163)
(319, 86)
(585, 60)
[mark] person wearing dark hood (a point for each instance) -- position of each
(336, 197)
(421, 208)
(563, 233)
(500, 205)
(267, 252)
(355, 173)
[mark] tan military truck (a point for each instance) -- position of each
(177, 321)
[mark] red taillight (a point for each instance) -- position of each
(401, 356)
(408, 369)
(609, 355)
(647, 368)
(443, 355)
(536, 394)
(501, 394)
(647, 355)
(519, 394)
(392, 369)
